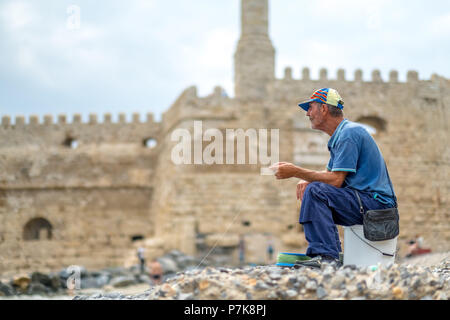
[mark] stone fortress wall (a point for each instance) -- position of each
(74, 193)
(90, 193)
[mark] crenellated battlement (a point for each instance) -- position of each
(67, 131)
(412, 76)
(62, 120)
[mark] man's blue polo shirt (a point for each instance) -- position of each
(354, 150)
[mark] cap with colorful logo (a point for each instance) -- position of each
(324, 95)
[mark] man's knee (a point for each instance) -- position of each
(315, 188)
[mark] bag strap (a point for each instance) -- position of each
(390, 184)
(361, 209)
(383, 253)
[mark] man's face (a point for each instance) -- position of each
(315, 114)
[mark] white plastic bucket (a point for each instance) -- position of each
(361, 254)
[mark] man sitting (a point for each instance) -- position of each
(328, 197)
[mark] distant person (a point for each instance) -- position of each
(241, 250)
(270, 250)
(419, 241)
(141, 257)
(416, 247)
(412, 246)
(156, 272)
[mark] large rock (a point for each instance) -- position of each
(6, 290)
(115, 272)
(55, 282)
(123, 281)
(143, 278)
(38, 277)
(90, 282)
(103, 279)
(168, 265)
(36, 288)
(175, 254)
(184, 262)
(64, 275)
(21, 282)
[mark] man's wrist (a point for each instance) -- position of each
(298, 172)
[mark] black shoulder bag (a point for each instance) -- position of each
(382, 224)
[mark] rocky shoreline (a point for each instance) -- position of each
(392, 282)
(54, 284)
(185, 279)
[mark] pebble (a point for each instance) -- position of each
(272, 295)
(275, 276)
(292, 280)
(361, 286)
(302, 281)
(311, 285)
(291, 294)
(185, 296)
(397, 292)
(260, 285)
(328, 271)
(441, 296)
(112, 295)
(321, 293)
(337, 281)
(416, 284)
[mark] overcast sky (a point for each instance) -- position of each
(138, 55)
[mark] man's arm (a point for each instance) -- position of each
(288, 170)
(334, 178)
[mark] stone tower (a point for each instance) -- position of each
(254, 60)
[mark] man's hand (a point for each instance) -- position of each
(284, 170)
(301, 187)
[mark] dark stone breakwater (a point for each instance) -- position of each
(57, 283)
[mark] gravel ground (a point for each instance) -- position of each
(412, 279)
(421, 277)
(131, 290)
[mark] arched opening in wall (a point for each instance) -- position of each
(71, 143)
(372, 124)
(149, 143)
(137, 237)
(37, 229)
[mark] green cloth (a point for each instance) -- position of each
(285, 257)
